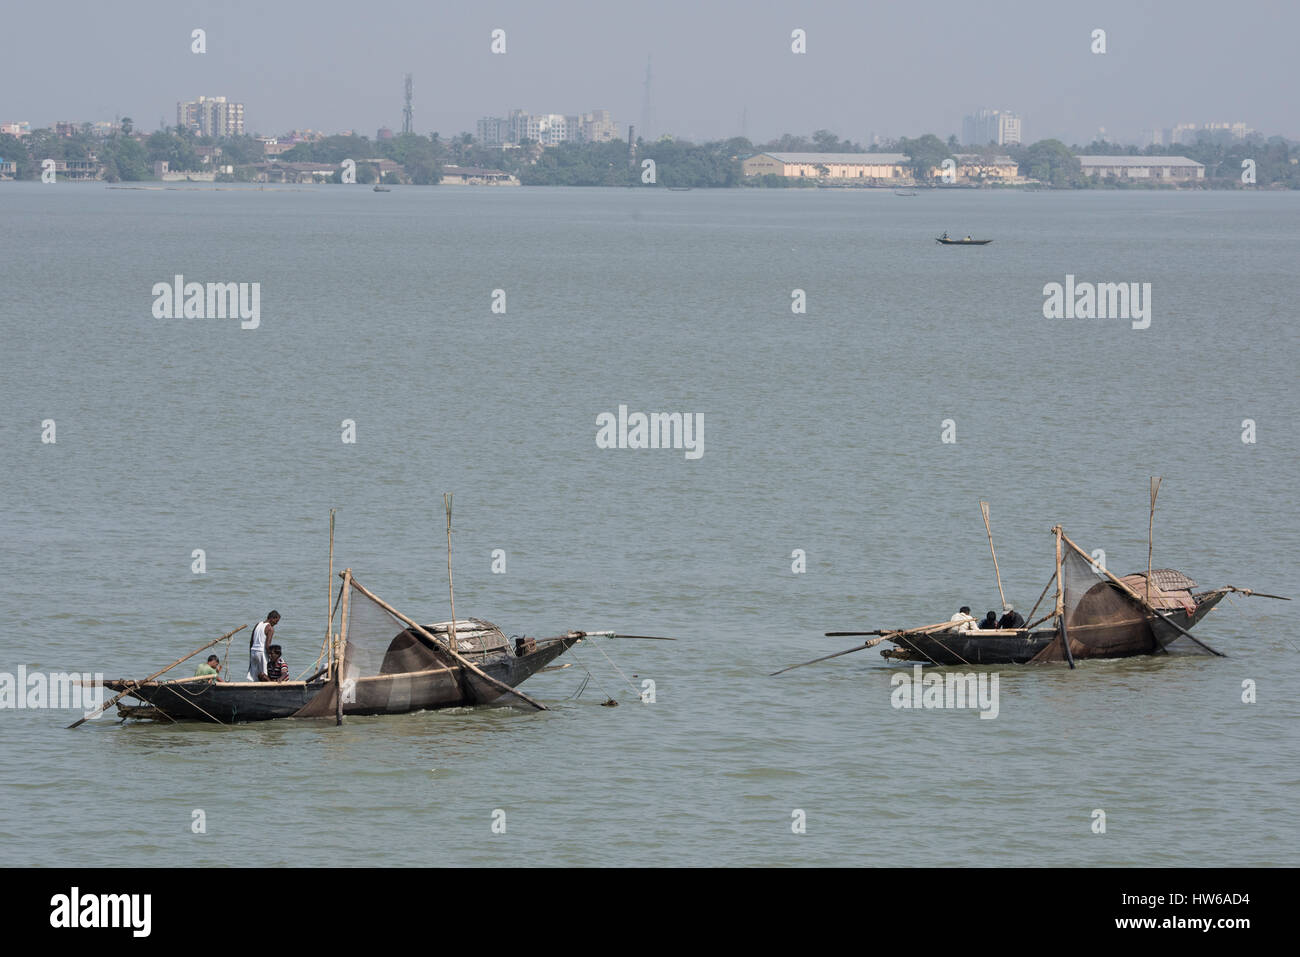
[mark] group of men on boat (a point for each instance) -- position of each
(964, 622)
(265, 660)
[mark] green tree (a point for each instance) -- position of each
(924, 154)
(1051, 162)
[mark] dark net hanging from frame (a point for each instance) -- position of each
(380, 644)
(1100, 619)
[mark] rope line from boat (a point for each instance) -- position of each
(581, 688)
(608, 697)
(152, 705)
(635, 690)
(172, 689)
(941, 645)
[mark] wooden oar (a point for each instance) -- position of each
(1259, 594)
(118, 697)
(869, 644)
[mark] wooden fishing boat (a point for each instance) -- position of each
(380, 661)
(1095, 615)
(961, 242)
(382, 189)
(1101, 634)
(416, 672)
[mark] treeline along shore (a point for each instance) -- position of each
(127, 155)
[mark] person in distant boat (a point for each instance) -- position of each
(210, 668)
(263, 632)
(945, 234)
(968, 238)
(963, 621)
(990, 621)
(1010, 617)
(276, 669)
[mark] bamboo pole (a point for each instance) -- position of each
(1151, 521)
(465, 662)
(329, 595)
(984, 509)
(1060, 600)
(937, 626)
(1041, 595)
(341, 646)
(118, 697)
(868, 644)
(451, 591)
(1138, 598)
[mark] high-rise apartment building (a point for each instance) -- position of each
(991, 126)
(548, 129)
(211, 116)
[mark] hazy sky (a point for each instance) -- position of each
(892, 68)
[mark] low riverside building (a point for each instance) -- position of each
(475, 176)
(8, 169)
(1148, 168)
(976, 168)
(80, 170)
(837, 166)
(275, 172)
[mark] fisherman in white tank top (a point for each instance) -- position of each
(262, 635)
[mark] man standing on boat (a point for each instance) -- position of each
(262, 635)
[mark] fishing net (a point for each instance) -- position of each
(1103, 621)
(381, 644)
(1100, 619)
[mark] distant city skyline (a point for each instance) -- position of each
(709, 73)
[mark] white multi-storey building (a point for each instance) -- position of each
(548, 129)
(211, 116)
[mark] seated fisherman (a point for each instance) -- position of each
(276, 669)
(963, 621)
(211, 668)
(990, 621)
(1010, 618)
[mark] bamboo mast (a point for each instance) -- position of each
(1151, 521)
(340, 644)
(984, 508)
(451, 591)
(118, 697)
(1060, 599)
(326, 646)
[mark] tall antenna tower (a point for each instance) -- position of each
(406, 110)
(647, 106)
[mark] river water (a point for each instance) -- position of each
(823, 431)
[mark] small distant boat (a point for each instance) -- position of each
(904, 192)
(945, 241)
(680, 189)
(380, 188)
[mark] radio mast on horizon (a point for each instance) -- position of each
(647, 107)
(406, 110)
